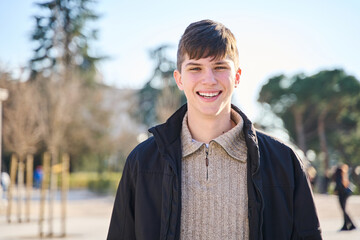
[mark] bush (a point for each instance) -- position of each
(80, 180)
(104, 183)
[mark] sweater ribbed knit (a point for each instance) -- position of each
(214, 197)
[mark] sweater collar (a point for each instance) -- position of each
(189, 145)
(232, 141)
(167, 134)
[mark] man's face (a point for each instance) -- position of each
(208, 85)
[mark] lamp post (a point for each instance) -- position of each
(4, 94)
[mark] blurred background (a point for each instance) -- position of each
(83, 80)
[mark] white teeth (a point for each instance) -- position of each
(209, 95)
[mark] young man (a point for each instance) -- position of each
(207, 173)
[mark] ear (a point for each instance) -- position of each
(177, 76)
(237, 77)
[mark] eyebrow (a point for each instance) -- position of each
(192, 64)
(199, 64)
(221, 62)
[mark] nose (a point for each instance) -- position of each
(208, 77)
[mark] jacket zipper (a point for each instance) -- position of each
(261, 198)
(207, 162)
(169, 214)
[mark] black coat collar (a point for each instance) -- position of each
(168, 133)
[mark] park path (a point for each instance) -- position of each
(89, 216)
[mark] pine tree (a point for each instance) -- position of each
(63, 38)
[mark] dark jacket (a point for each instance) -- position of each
(148, 200)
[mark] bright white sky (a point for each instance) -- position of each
(278, 36)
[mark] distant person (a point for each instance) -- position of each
(207, 173)
(312, 174)
(343, 191)
(38, 176)
(5, 180)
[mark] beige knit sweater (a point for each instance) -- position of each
(214, 197)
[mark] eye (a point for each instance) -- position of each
(221, 67)
(195, 69)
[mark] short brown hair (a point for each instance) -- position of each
(207, 38)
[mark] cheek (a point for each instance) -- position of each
(190, 80)
(188, 94)
(224, 74)
(225, 78)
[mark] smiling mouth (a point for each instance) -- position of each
(208, 94)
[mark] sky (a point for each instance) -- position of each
(274, 37)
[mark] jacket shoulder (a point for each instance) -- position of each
(266, 140)
(142, 149)
(146, 156)
(274, 152)
(147, 145)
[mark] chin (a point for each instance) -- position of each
(212, 112)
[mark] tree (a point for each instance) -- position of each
(68, 73)
(314, 110)
(332, 93)
(288, 99)
(65, 73)
(63, 38)
(22, 131)
(160, 97)
(88, 137)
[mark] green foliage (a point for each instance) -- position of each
(75, 119)
(105, 183)
(320, 112)
(86, 160)
(160, 96)
(147, 103)
(80, 180)
(62, 36)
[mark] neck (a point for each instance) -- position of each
(204, 129)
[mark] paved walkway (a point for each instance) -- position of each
(89, 216)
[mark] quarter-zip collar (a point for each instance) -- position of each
(167, 133)
(232, 141)
(189, 145)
